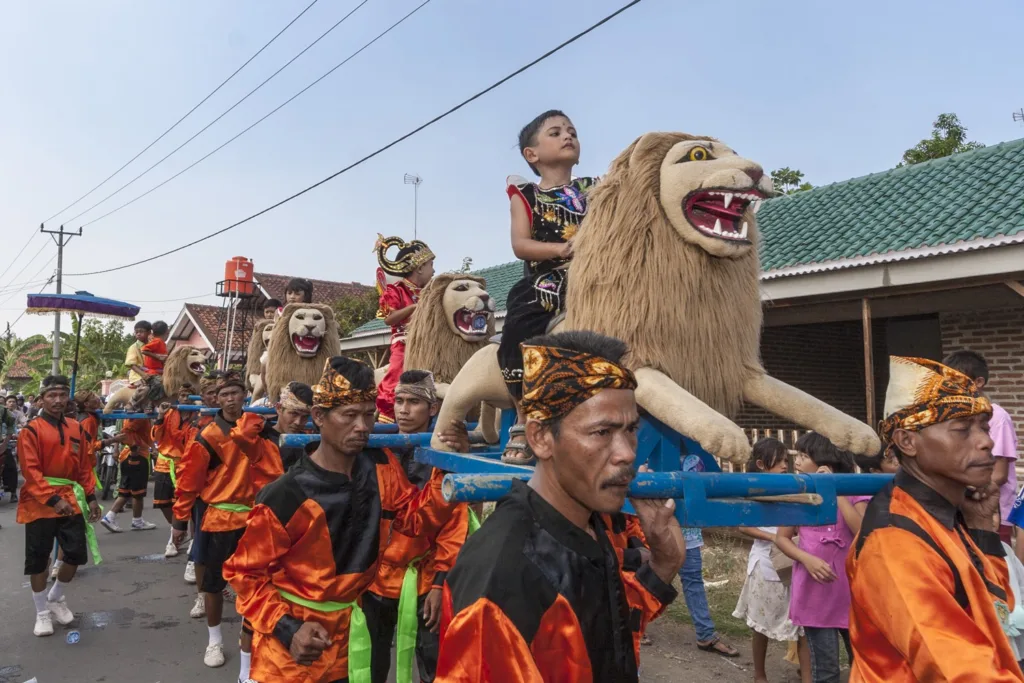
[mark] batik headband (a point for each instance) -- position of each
(230, 378)
(556, 380)
(59, 385)
(424, 389)
(334, 389)
(922, 393)
(289, 401)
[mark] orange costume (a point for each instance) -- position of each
(930, 597)
(172, 433)
(259, 440)
(137, 437)
(535, 598)
(429, 558)
(50, 448)
(318, 536)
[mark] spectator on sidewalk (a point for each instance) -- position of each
(1004, 437)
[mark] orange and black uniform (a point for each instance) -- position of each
(433, 556)
(535, 598)
(137, 439)
(214, 476)
(49, 447)
(259, 441)
(172, 434)
(90, 425)
(925, 591)
(319, 535)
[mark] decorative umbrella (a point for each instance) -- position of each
(80, 304)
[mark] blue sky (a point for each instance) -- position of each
(837, 90)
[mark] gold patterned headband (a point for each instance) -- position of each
(556, 380)
(411, 255)
(335, 389)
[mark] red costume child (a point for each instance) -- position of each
(399, 283)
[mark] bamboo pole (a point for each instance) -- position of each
(869, 361)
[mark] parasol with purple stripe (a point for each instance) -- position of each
(80, 304)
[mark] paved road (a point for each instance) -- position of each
(132, 613)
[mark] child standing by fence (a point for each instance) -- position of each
(820, 594)
(764, 600)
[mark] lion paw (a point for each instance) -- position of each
(858, 438)
(727, 442)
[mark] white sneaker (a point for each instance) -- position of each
(142, 525)
(198, 610)
(190, 572)
(171, 550)
(214, 656)
(44, 624)
(110, 525)
(60, 611)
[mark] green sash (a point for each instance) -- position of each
(233, 507)
(90, 533)
(474, 522)
(358, 633)
(99, 484)
(170, 467)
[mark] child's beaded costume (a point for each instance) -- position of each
(396, 293)
(555, 216)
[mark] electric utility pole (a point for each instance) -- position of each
(61, 239)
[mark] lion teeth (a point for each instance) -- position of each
(743, 232)
(727, 199)
(718, 226)
(756, 206)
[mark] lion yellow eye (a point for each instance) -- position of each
(696, 154)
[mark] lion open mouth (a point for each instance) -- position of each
(472, 323)
(306, 345)
(719, 213)
(197, 368)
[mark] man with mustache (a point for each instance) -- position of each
(539, 593)
(313, 542)
(930, 590)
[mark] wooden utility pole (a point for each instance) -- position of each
(61, 239)
(869, 361)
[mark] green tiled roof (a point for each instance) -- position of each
(977, 194)
(499, 281)
(974, 195)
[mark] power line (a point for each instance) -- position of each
(30, 262)
(48, 281)
(373, 154)
(264, 118)
(176, 123)
(27, 285)
(18, 255)
(207, 126)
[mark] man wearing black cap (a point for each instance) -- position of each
(539, 593)
(59, 485)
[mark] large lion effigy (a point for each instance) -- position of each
(256, 356)
(666, 260)
(304, 338)
(184, 365)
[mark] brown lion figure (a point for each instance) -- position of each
(666, 260)
(184, 365)
(303, 339)
(454, 319)
(258, 343)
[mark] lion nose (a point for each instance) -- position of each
(755, 173)
(485, 298)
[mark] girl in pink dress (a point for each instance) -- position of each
(820, 592)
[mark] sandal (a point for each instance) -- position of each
(719, 647)
(517, 451)
(645, 640)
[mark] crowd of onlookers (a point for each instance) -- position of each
(15, 412)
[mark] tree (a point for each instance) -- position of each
(949, 137)
(467, 264)
(789, 180)
(355, 310)
(102, 350)
(30, 353)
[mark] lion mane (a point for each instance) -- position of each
(431, 344)
(254, 353)
(284, 365)
(177, 371)
(694, 317)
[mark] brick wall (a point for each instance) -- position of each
(825, 360)
(999, 336)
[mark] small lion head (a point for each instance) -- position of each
(185, 365)
(307, 327)
(709, 193)
(469, 309)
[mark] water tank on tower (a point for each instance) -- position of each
(238, 276)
